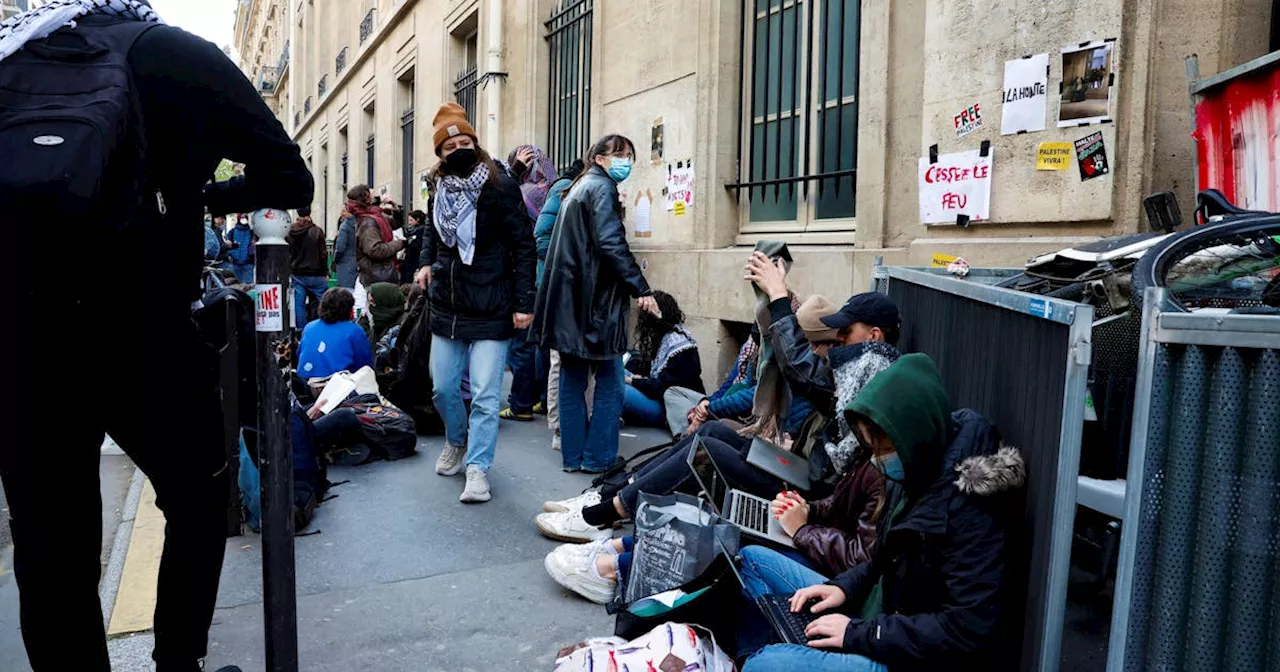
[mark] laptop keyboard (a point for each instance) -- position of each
(793, 623)
(753, 514)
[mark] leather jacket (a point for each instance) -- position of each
(590, 276)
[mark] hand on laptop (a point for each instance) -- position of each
(830, 597)
(827, 632)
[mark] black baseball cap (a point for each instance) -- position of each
(872, 309)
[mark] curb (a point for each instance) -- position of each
(109, 587)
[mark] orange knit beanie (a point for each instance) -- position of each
(450, 120)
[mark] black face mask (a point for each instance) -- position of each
(462, 161)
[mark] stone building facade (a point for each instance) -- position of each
(803, 120)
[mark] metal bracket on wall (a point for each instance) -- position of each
(484, 79)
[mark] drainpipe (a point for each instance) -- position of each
(492, 87)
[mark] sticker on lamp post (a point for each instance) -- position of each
(270, 308)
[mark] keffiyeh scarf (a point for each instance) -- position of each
(853, 366)
(43, 21)
(455, 210)
(675, 342)
(537, 181)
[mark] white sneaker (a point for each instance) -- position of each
(573, 503)
(577, 572)
(569, 526)
(555, 441)
(477, 489)
(590, 550)
(450, 460)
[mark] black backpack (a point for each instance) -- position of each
(71, 128)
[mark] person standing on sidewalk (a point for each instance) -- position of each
(589, 279)
(198, 108)
(344, 251)
(243, 250)
(478, 260)
(376, 244)
(307, 257)
(542, 236)
(535, 172)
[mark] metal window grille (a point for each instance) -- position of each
(306, 105)
(569, 35)
(340, 62)
(366, 26)
(284, 57)
(406, 161)
(464, 90)
(344, 171)
(799, 61)
(368, 159)
(322, 87)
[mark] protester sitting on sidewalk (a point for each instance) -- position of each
(669, 355)
(386, 310)
(933, 594)
(478, 260)
(164, 407)
(584, 302)
(832, 534)
(334, 342)
(542, 235)
(308, 257)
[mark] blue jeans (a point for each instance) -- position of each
(528, 376)
(589, 445)
(244, 272)
(788, 657)
(304, 286)
(768, 572)
(487, 362)
(642, 411)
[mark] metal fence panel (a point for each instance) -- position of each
(1021, 361)
(1199, 576)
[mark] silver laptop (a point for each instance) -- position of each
(777, 461)
(748, 512)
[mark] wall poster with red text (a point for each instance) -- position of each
(957, 184)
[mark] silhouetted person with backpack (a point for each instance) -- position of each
(114, 124)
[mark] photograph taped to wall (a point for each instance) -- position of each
(1087, 80)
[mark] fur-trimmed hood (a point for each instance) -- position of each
(985, 475)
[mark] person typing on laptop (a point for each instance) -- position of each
(935, 591)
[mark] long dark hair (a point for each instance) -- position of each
(650, 329)
(609, 144)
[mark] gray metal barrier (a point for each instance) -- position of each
(1022, 361)
(1198, 584)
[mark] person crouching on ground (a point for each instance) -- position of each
(671, 355)
(478, 260)
(934, 594)
(334, 342)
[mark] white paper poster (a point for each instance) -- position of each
(958, 184)
(270, 313)
(643, 216)
(1026, 94)
(679, 185)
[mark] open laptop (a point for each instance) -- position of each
(748, 512)
(777, 461)
(789, 626)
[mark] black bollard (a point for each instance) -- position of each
(275, 453)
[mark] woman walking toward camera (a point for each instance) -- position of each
(478, 261)
(588, 282)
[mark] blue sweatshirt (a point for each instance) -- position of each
(329, 348)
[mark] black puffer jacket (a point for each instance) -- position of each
(942, 563)
(477, 301)
(590, 275)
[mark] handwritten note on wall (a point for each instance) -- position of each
(958, 184)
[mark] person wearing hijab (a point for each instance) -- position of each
(477, 263)
(386, 308)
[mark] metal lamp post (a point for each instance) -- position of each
(275, 454)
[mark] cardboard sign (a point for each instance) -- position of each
(1025, 95)
(1091, 155)
(958, 184)
(1053, 156)
(270, 312)
(968, 121)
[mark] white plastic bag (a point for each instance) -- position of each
(687, 645)
(341, 384)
